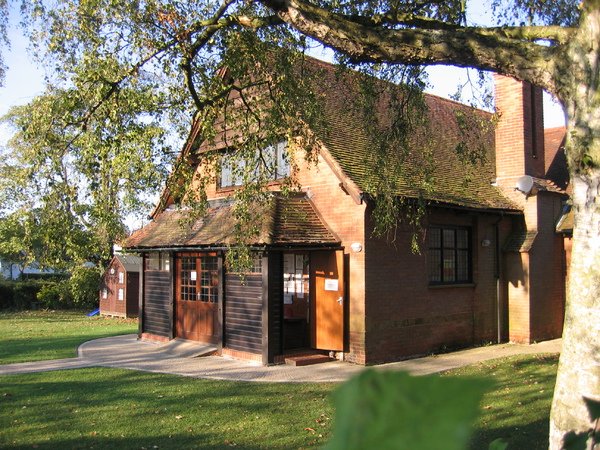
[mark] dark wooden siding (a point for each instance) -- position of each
(157, 303)
(275, 304)
(243, 313)
(133, 290)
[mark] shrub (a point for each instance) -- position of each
(84, 285)
(55, 295)
(80, 290)
(19, 294)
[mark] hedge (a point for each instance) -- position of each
(78, 291)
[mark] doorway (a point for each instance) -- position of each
(196, 297)
(327, 299)
(296, 300)
(313, 300)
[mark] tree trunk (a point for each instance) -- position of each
(579, 368)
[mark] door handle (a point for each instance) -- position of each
(340, 300)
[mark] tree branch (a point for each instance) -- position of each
(506, 51)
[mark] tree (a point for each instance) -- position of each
(182, 47)
(71, 180)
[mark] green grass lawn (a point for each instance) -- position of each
(39, 335)
(518, 408)
(110, 408)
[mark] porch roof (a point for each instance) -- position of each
(280, 221)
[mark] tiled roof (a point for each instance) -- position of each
(520, 241)
(131, 263)
(556, 161)
(453, 182)
(567, 221)
(282, 221)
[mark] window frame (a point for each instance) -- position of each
(204, 285)
(274, 154)
(442, 279)
(157, 262)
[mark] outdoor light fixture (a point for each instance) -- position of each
(356, 247)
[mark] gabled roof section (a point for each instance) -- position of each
(452, 182)
(346, 147)
(282, 221)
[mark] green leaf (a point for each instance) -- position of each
(394, 410)
(498, 444)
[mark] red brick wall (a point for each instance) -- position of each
(406, 316)
(547, 272)
(346, 218)
(521, 125)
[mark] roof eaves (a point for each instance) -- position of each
(346, 183)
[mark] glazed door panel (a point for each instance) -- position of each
(196, 303)
(327, 277)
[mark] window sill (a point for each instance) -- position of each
(227, 189)
(457, 285)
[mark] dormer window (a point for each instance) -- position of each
(271, 164)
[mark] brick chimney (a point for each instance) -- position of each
(520, 131)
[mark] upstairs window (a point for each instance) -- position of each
(449, 255)
(272, 164)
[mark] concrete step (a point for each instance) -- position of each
(307, 360)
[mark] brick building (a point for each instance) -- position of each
(491, 266)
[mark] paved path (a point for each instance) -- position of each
(181, 358)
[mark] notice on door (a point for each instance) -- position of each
(331, 284)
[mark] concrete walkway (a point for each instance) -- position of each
(182, 358)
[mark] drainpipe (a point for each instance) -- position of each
(497, 275)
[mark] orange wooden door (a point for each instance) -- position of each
(327, 298)
(196, 293)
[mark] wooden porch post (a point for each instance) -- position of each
(141, 296)
(220, 306)
(267, 357)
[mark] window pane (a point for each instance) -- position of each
(462, 270)
(449, 269)
(226, 171)
(209, 280)
(449, 238)
(462, 239)
(435, 264)
(152, 262)
(188, 278)
(435, 238)
(283, 164)
(269, 162)
(165, 262)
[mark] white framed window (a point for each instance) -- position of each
(121, 295)
(273, 163)
(158, 262)
(105, 293)
(121, 277)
